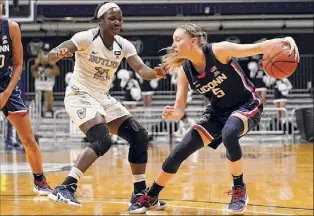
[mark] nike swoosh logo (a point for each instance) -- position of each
(94, 52)
(195, 82)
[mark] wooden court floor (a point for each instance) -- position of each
(279, 179)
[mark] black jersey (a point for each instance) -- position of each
(6, 49)
(225, 85)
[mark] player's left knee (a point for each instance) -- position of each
(137, 136)
(230, 138)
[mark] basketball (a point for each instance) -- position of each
(277, 62)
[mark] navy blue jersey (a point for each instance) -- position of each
(6, 49)
(225, 85)
(15, 103)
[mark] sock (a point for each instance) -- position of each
(238, 180)
(73, 177)
(38, 177)
(155, 189)
(69, 180)
(76, 173)
(139, 182)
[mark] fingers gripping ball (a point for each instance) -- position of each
(278, 63)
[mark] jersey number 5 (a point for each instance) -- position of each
(218, 92)
(2, 57)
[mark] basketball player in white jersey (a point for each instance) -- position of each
(98, 53)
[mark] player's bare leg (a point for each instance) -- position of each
(22, 124)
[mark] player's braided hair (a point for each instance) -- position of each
(171, 59)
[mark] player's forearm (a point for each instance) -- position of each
(52, 56)
(268, 43)
(16, 74)
(147, 73)
(180, 103)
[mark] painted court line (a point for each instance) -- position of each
(174, 206)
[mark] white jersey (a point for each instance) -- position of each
(95, 65)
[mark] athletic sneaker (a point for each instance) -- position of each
(239, 199)
(41, 187)
(134, 197)
(145, 202)
(65, 194)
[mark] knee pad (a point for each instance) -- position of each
(99, 138)
(191, 142)
(136, 135)
(230, 137)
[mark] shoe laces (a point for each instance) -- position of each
(43, 184)
(236, 193)
(144, 200)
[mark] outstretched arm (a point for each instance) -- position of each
(64, 50)
(137, 64)
(223, 51)
(80, 41)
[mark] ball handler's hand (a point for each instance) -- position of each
(293, 47)
(171, 113)
(160, 72)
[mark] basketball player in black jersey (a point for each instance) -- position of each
(11, 104)
(235, 109)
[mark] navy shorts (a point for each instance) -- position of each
(213, 121)
(15, 103)
(278, 96)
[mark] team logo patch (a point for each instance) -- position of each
(204, 119)
(81, 113)
(117, 53)
(213, 69)
(4, 39)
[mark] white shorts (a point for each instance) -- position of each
(82, 107)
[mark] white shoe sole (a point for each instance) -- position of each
(144, 209)
(243, 210)
(40, 192)
(65, 201)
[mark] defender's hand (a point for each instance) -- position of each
(160, 72)
(64, 53)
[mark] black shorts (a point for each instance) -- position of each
(278, 95)
(145, 86)
(15, 103)
(259, 83)
(213, 121)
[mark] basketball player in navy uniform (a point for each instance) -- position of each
(11, 103)
(235, 109)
